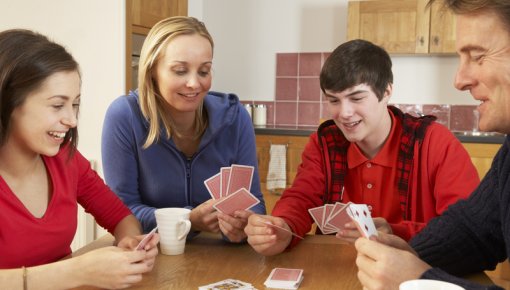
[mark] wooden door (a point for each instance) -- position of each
(400, 26)
(442, 29)
(146, 13)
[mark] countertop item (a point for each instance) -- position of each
(463, 136)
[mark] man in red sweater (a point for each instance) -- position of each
(407, 169)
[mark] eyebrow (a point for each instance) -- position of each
(348, 95)
(63, 97)
(469, 48)
(185, 62)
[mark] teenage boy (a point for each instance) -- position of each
(407, 169)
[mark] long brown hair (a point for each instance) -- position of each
(27, 59)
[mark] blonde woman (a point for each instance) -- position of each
(162, 141)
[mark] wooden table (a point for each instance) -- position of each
(328, 263)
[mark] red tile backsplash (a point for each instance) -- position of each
(308, 113)
(309, 89)
(462, 118)
(286, 89)
(285, 113)
(310, 64)
(299, 100)
(286, 64)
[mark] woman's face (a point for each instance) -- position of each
(40, 124)
(183, 72)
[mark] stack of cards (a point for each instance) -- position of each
(228, 284)
(231, 187)
(283, 278)
(331, 218)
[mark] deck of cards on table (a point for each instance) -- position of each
(284, 278)
(228, 284)
(331, 218)
(231, 188)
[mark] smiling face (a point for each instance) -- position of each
(183, 72)
(359, 114)
(40, 124)
(483, 44)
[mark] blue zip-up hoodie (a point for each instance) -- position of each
(161, 175)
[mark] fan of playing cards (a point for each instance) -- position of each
(231, 187)
(331, 218)
(283, 278)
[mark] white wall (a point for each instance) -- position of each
(94, 33)
(248, 34)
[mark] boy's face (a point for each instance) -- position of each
(359, 114)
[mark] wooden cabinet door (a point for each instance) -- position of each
(146, 13)
(400, 26)
(482, 155)
(442, 29)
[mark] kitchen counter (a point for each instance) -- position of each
(464, 137)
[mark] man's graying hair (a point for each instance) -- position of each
(499, 7)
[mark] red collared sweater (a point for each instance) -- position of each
(435, 169)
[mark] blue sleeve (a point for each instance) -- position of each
(120, 163)
(248, 156)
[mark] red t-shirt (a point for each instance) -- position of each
(29, 241)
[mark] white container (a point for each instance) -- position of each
(249, 108)
(259, 115)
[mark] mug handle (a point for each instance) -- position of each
(187, 228)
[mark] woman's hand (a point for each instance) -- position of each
(111, 267)
(205, 218)
(233, 226)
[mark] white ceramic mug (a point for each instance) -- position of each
(173, 227)
(424, 284)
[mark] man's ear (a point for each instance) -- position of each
(387, 93)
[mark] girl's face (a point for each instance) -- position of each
(40, 124)
(183, 72)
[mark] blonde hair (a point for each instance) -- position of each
(151, 102)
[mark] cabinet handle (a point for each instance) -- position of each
(435, 40)
(421, 40)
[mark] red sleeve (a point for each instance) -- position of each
(306, 191)
(97, 198)
(451, 174)
(445, 174)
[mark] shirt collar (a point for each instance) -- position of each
(387, 156)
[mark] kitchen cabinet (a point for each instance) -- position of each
(482, 155)
(146, 13)
(403, 26)
(295, 146)
(141, 15)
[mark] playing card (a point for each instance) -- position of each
(283, 229)
(284, 278)
(317, 214)
(360, 214)
(225, 176)
(227, 285)
(141, 245)
(240, 177)
(339, 216)
(213, 185)
(284, 274)
(239, 200)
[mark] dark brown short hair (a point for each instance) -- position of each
(357, 62)
(27, 59)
